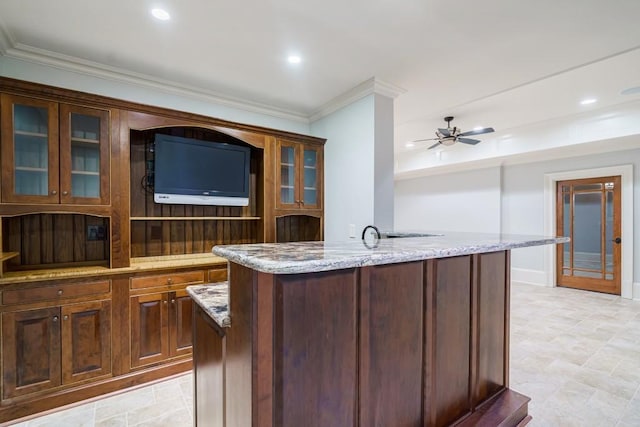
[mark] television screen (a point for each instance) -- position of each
(190, 171)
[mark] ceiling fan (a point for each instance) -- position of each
(451, 135)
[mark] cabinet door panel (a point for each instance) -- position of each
(31, 351)
(181, 322)
(287, 160)
(315, 349)
(149, 329)
(391, 330)
(86, 340)
(311, 177)
(84, 155)
(29, 134)
(492, 314)
(448, 391)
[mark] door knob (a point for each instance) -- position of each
(617, 240)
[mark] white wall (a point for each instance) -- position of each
(461, 201)
(157, 96)
(383, 163)
(507, 199)
(349, 167)
(523, 201)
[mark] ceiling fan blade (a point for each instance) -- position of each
(434, 145)
(468, 141)
(477, 132)
(444, 132)
(428, 139)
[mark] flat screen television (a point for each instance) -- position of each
(190, 171)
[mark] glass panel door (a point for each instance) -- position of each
(29, 133)
(85, 155)
(589, 213)
(310, 177)
(31, 149)
(287, 175)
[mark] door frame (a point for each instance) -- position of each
(626, 177)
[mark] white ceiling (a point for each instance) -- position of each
(500, 63)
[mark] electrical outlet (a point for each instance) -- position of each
(352, 231)
(96, 232)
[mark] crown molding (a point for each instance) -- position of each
(107, 72)
(6, 42)
(368, 87)
(12, 49)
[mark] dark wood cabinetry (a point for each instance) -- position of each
(419, 343)
(86, 340)
(161, 321)
(75, 214)
(57, 345)
(31, 351)
(54, 153)
(298, 175)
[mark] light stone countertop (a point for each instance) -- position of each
(214, 300)
(307, 257)
(137, 264)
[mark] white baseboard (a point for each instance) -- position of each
(636, 291)
(529, 277)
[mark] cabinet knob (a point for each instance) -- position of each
(165, 301)
(55, 318)
(64, 193)
(169, 281)
(173, 301)
(66, 317)
(60, 292)
(54, 192)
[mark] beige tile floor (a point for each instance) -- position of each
(575, 353)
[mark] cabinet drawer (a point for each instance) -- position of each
(180, 278)
(54, 292)
(218, 275)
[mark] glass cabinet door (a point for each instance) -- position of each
(286, 175)
(84, 155)
(29, 150)
(310, 177)
(298, 176)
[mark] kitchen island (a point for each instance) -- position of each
(403, 332)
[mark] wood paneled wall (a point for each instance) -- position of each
(60, 239)
(199, 233)
(155, 238)
(298, 228)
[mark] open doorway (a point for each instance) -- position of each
(588, 211)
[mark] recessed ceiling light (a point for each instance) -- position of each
(631, 91)
(160, 14)
(478, 128)
(410, 144)
(588, 101)
(294, 59)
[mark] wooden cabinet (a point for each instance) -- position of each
(161, 322)
(31, 351)
(421, 343)
(299, 175)
(53, 153)
(53, 346)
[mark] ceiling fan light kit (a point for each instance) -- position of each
(452, 135)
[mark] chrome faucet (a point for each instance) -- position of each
(364, 231)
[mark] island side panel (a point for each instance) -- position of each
(391, 337)
(448, 332)
(492, 319)
(315, 349)
(208, 363)
(239, 347)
